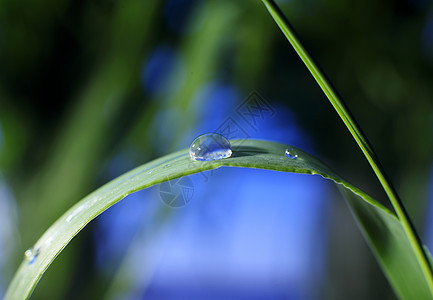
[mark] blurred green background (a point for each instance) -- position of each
(88, 85)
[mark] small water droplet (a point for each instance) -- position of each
(291, 154)
(77, 211)
(49, 240)
(210, 146)
(166, 166)
(31, 254)
(95, 199)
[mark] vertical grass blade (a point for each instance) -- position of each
(357, 134)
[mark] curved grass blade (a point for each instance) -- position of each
(360, 138)
(383, 229)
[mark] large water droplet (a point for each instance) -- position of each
(31, 254)
(290, 153)
(210, 146)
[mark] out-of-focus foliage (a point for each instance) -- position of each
(89, 89)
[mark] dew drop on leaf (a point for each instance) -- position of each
(31, 254)
(291, 154)
(210, 146)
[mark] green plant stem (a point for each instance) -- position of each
(357, 134)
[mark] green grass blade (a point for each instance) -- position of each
(383, 232)
(383, 229)
(358, 135)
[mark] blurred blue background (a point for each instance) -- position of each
(91, 89)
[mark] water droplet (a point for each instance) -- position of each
(210, 146)
(291, 154)
(49, 240)
(95, 199)
(31, 254)
(77, 211)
